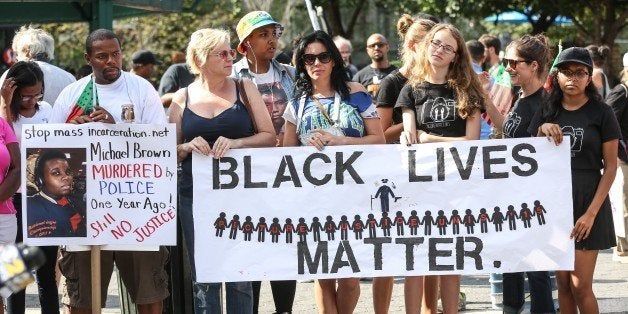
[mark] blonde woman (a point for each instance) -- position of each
(211, 119)
(411, 32)
(443, 76)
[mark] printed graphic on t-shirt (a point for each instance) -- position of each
(276, 101)
(350, 120)
(575, 136)
(439, 112)
(512, 124)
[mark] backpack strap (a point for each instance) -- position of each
(245, 101)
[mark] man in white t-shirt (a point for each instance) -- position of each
(110, 95)
(34, 44)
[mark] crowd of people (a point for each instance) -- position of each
(439, 94)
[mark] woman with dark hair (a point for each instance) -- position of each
(600, 80)
(575, 110)
(51, 213)
(23, 104)
(527, 61)
(329, 110)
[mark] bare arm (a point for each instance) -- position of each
(472, 131)
(391, 131)
(408, 135)
(11, 182)
(175, 115)
(496, 117)
(582, 228)
(290, 135)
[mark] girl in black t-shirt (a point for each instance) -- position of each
(575, 112)
(441, 102)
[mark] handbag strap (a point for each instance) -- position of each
(320, 106)
(245, 101)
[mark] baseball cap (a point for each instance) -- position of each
(250, 22)
(144, 57)
(575, 55)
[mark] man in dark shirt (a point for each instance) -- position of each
(371, 75)
(176, 76)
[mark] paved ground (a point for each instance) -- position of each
(610, 286)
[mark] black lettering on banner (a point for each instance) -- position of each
(488, 161)
(287, 161)
(344, 247)
(534, 166)
(247, 176)
(434, 253)
(410, 243)
(475, 253)
(307, 169)
(377, 249)
(230, 172)
(412, 176)
(465, 172)
(304, 256)
(346, 166)
(440, 163)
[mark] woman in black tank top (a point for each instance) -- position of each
(211, 119)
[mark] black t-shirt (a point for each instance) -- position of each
(435, 108)
(587, 128)
(519, 118)
(176, 76)
(371, 78)
(618, 100)
(388, 93)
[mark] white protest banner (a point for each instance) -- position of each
(383, 210)
(99, 184)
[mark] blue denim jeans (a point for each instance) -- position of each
(540, 292)
(207, 295)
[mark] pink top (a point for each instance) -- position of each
(6, 137)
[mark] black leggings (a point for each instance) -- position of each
(283, 295)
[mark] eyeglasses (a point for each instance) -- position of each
(446, 48)
(579, 75)
(36, 97)
(323, 57)
(223, 54)
(378, 45)
(513, 63)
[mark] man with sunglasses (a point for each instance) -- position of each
(371, 75)
(259, 33)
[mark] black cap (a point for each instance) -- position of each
(575, 55)
(144, 57)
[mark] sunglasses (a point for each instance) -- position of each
(36, 97)
(378, 45)
(513, 63)
(224, 54)
(323, 57)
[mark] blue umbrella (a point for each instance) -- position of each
(515, 17)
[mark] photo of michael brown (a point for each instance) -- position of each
(55, 206)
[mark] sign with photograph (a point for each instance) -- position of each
(99, 184)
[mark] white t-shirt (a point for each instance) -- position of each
(127, 89)
(274, 96)
(55, 80)
(42, 115)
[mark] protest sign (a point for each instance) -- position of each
(383, 210)
(99, 184)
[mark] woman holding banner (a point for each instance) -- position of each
(328, 110)
(441, 102)
(527, 60)
(411, 32)
(23, 104)
(212, 116)
(575, 110)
